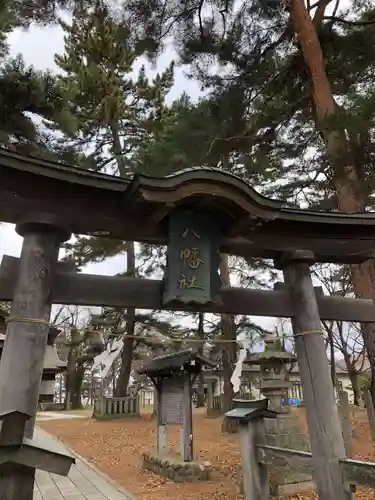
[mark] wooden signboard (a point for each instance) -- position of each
(193, 259)
(171, 401)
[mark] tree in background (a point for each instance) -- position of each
(278, 108)
(78, 344)
(110, 113)
(26, 95)
(283, 78)
(343, 338)
(45, 12)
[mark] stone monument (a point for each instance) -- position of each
(173, 376)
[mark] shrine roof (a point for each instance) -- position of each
(169, 363)
(52, 362)
(258, 358)
(137, 207)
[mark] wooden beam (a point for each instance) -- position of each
(17, 482)
(252, 485)
(73, 194)
(92, 290)
(26, 341)
(161, 212)
(21, 363)
(327, 444)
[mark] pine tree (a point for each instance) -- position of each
(113, 114)
(112, 111)
(264, 85)
(285, 63)
(26, 12)
(25, 91)
(25, 94)
(28, 96)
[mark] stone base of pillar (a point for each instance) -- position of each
(300, 487)
(286, 432)
(297, 484)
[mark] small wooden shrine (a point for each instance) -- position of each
(274, 363)
(173, 376)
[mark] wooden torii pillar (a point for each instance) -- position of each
(327, 444)
(21, 364)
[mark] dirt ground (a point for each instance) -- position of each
(116, 447)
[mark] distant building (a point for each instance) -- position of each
(251, 378)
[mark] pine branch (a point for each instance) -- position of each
(320, 11)
(348, 22)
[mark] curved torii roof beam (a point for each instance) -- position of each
(136, 208)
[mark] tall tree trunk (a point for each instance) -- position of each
(200, 392)
(127, 351)
(67, 395)
(72, 388)
(159, 351)
(353, 374)
(114, 375)
(332, 357)
(60, 388)
(350, 364)
(76, 387)
(347, 177)
(363, 278)
(229, 348)
(118, 150)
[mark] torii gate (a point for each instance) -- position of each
(198, 213)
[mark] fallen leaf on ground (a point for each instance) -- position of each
(116, 447)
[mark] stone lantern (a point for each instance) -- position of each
(285, 431)
(274, 363)
(52, 365)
